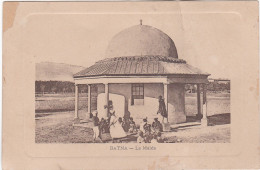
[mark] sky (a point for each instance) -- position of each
(207, 40)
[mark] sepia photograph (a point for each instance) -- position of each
(130, 85)
(140, 89)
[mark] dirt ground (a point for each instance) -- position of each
(198, 134)
(55, 112)
(57, 127)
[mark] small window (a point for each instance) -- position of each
(137, 94)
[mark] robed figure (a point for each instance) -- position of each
(116, 129)
(162, 109)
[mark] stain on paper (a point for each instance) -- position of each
(9, 12)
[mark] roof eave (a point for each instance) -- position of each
(126, 75)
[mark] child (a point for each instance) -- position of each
(120, 120)
(96, 126)
(143, 124)
(132, 127)
(102, 125)
(159, 138)
(126, 124)
(106, 127)
(157, 126)
(147, 133)
(154, 140)
(140, 138)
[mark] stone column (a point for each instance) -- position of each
(107, 97)
(176, 103)
(204, 120)
(198, 102)
(166, 126)
(89, 99)
(76, 116)
(165, 95)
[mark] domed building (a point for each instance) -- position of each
(141, 40)
(142, 64)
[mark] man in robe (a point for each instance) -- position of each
(162, 109)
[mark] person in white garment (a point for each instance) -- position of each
(96, 129)
(143, 124)
(116, 130)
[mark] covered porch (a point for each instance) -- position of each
(145, 103)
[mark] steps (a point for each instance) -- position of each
(184, 125)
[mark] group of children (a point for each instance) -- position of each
(119, 127)
(128, 124)
(150, 133)
(103, 126)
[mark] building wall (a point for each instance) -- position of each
(150, 107)
(138, 112)
(124, 90)
(100, 88)
(118, 103)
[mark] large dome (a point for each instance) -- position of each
(141, 40)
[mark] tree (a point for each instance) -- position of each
(64, 89)
(42, 86)
(72, 88)
(54, 89)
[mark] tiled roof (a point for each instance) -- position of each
(144, 65)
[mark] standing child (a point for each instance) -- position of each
(96, 126)
(106, 126)
(102, 125)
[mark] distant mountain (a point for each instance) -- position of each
(46, 71)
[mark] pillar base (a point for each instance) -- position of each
(76, 120)
(204, 122)
(166, 127)
(89, 115)
(199, 116)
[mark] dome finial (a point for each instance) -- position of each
(141, 22)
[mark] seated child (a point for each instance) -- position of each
(159, 138)
(126, 124)
(157, 126)
(154, 140)
(120, 121)
(140, 138)
(132, 127)
(147, 133)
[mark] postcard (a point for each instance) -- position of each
(130, 85)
